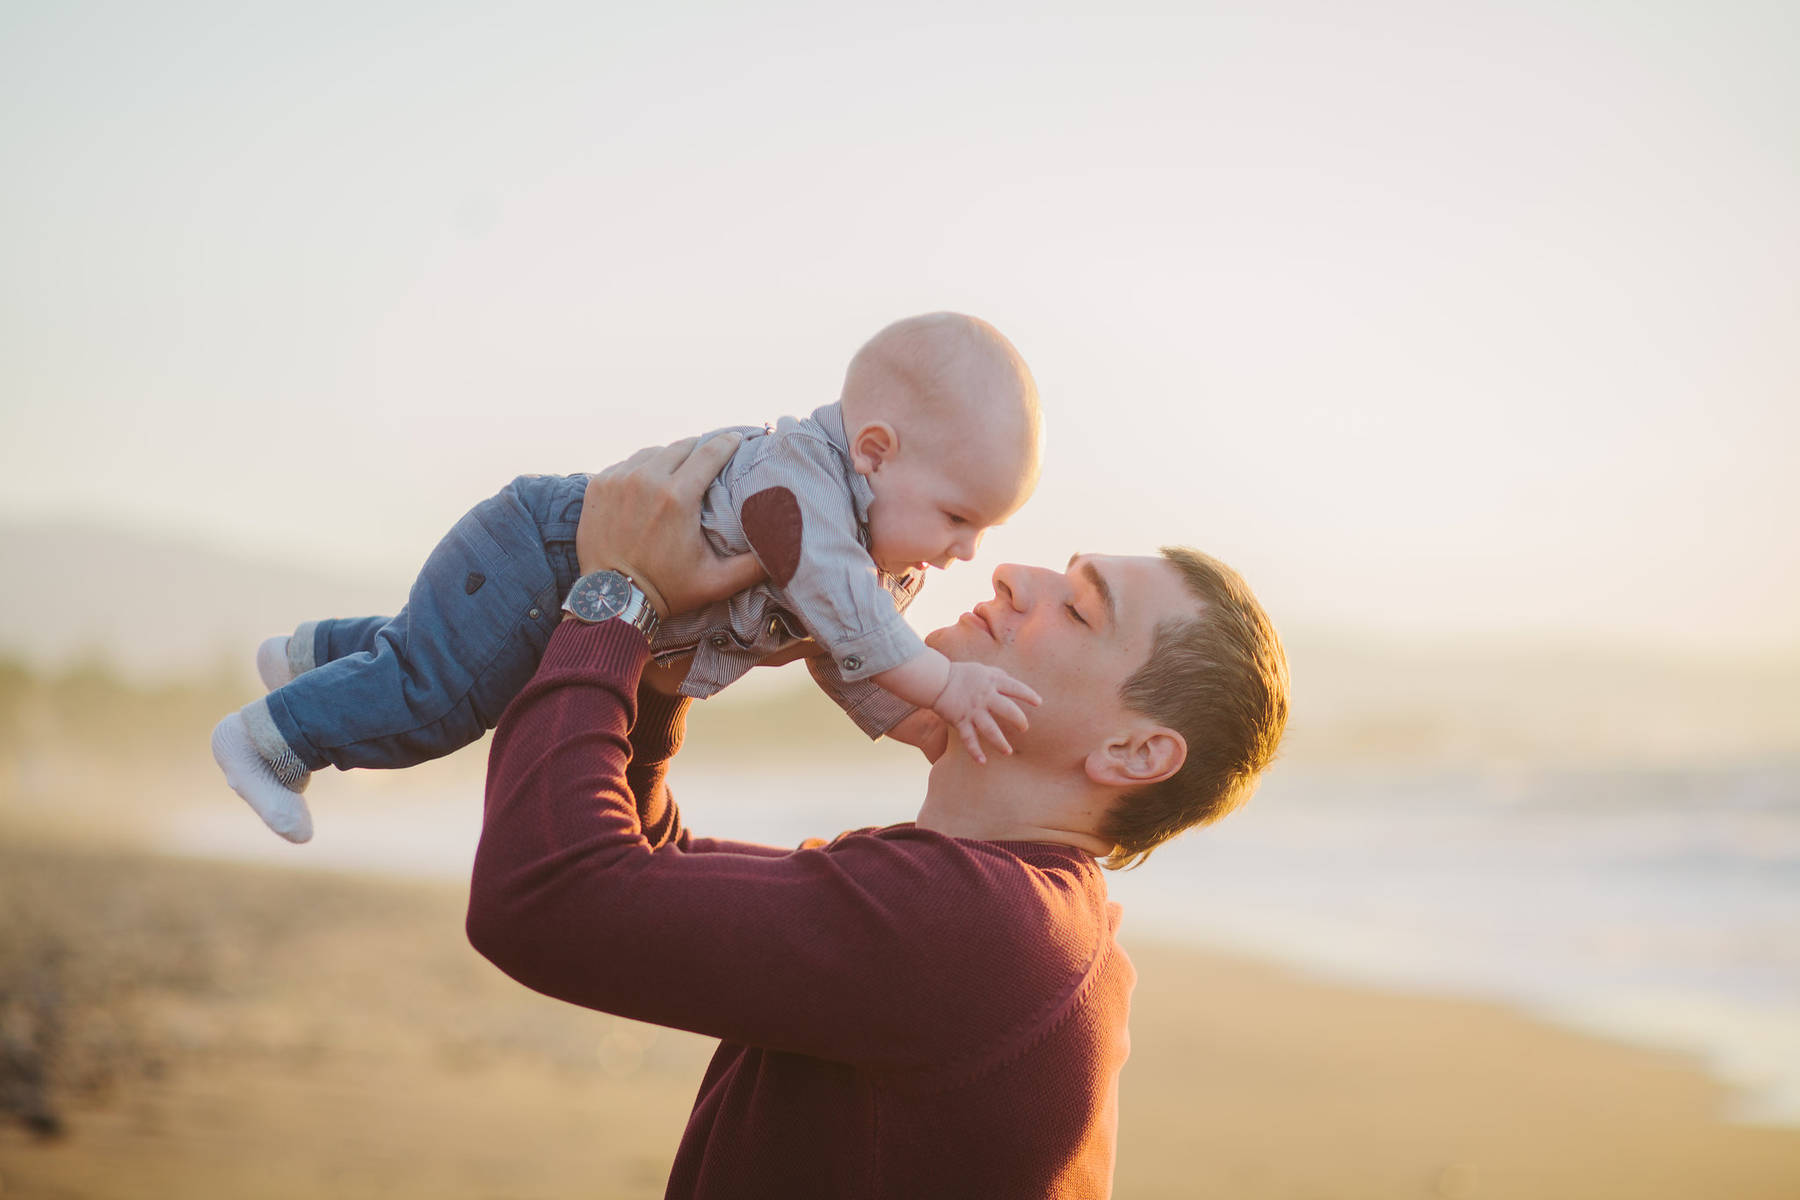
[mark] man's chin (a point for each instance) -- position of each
(947, 641)
(958, 643)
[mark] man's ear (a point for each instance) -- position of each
(873, 445)
(1138, 758)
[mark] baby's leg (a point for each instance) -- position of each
(282, 659)
(268, 774)
(438, 674)
(393, 692)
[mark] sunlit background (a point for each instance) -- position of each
(1470, 333)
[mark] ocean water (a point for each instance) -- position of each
(1661, 907)
(1655, 906)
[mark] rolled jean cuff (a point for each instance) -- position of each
(302, 655)
(266, 737)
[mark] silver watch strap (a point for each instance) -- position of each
(641, 614)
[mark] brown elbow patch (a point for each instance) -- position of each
(772, 524)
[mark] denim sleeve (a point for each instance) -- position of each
(794, 506)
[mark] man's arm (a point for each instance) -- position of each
(661, 722)
(886, 951)
(925, 730)
(656, 736)
(864, 952)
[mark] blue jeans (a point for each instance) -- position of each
(396, 691)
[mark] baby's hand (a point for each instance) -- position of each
(976, 699)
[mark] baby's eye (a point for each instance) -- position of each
(1074, 612)
(956, 520)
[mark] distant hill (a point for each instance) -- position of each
(152, 606)
(155, 608)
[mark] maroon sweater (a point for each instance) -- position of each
(900, 1013)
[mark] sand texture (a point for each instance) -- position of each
(186, 1029)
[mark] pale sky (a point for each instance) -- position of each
(1429, 317)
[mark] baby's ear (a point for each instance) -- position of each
(872, 445)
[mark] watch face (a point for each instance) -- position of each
(600, 596)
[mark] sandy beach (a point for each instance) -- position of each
(197, 1029)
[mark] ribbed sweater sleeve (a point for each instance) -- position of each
(859, 952)
(655, 738)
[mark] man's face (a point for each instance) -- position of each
(1075, 636)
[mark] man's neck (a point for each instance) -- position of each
(1007, 800)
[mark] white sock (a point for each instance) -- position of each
(272, 663)
(282, 809)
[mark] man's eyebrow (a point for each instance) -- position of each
(1092, 574)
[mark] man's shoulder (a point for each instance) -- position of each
(1016, 934)
(1013, 854)
(1019, 887)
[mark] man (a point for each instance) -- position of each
(935, 1009)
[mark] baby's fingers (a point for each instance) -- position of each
(966, 730)
(1018, 691)
(990, 730)
(1005, 710)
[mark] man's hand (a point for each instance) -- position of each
(642, 517)
(976, 699)
(805, 648)
(924, 729)
(666, 679)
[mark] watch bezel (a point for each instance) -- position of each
(604, 595)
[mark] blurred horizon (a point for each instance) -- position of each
(81, 545)
(1359, 696)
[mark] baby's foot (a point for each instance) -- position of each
(282, 809)
(272, 663)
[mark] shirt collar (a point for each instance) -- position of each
(830, 418)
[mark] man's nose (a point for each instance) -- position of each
(1013, 584)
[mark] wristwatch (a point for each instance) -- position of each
(603, 595)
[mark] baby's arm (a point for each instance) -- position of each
(971, 698)
(799, 520)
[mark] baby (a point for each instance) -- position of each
(935, 438)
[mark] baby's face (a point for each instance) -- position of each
(934, 503)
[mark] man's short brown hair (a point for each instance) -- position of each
(1221, 681)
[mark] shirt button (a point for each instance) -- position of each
(535, 614)
(718, 640)
(852, 663)
(774, 627)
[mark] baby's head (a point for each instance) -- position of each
(942, 417)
